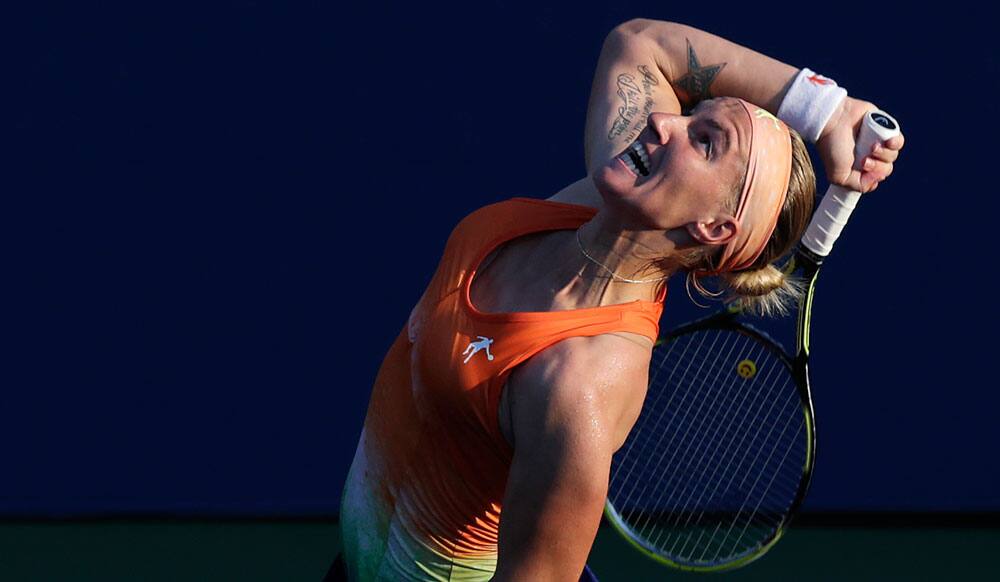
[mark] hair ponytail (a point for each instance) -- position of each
(766, 291)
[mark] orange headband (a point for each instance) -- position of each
(763, 195)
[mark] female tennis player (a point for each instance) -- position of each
(487, 444)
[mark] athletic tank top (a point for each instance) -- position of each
(423, 496)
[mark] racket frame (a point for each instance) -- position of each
(808, 263)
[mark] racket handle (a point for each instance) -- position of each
(838, 202)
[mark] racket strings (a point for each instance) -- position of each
(777, 442)
(670, 447)
(720, 459)
(708, 470)
(682, 544)
(632, 461)
(702, 379)
(715, 459)
(761, 498)
(688, 377)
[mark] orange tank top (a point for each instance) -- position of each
(423, 496)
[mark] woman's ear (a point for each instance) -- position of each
(714, 232)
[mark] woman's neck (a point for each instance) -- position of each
(578, 281)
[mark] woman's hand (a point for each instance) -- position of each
(836, 149)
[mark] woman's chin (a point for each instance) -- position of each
(635, 206)
(615, 180)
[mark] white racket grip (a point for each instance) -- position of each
(838, 202)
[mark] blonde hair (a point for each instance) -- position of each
(762, 288)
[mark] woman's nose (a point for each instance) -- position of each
(661, 123)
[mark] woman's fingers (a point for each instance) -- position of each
(857, 181)
(877, 167)
(888, 151)
(870, 181)
(895, 142)
(874, 173)
(883, 153)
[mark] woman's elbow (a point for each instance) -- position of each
(642, 26)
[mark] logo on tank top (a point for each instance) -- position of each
(483, 344)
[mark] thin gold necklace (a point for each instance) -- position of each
(610, 272)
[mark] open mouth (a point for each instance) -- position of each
(636, 159)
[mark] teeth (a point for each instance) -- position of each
(628, 162)
(639, 152)
(642, 153)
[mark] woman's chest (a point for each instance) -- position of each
(511, 279)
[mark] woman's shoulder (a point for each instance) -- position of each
(611, 368)
(594, 351)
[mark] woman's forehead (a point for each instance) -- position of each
(727, 106)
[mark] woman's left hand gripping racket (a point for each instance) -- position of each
(721, 456)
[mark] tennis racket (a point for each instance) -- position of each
(722, 453)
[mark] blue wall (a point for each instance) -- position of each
(221, 216)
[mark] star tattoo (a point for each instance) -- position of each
(698, 79)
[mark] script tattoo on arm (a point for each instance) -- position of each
(631, 118)
(694, 86)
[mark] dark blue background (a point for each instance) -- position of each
(218, 217)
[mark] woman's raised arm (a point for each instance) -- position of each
(701, 65)
(652, 65)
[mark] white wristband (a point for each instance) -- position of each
(809, 103)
